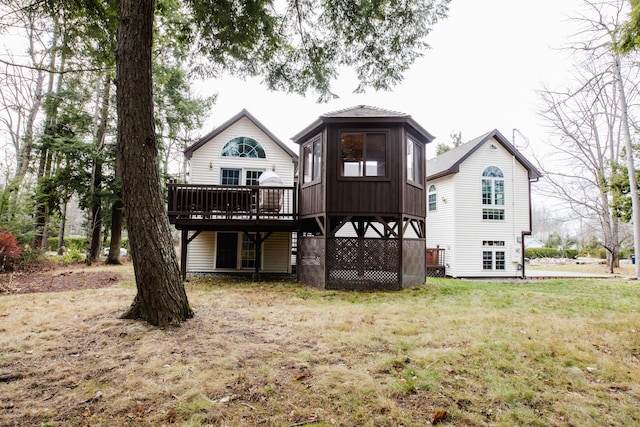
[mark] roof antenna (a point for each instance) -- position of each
(513, 139)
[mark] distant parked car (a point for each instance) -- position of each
(123, 251)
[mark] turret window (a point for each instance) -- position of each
(415, 162)
(312, 160)
(363, 154)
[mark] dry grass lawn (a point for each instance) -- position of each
(452, 353)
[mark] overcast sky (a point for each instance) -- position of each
(486, 61)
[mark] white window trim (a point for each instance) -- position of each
(495, 209)
(494, 247)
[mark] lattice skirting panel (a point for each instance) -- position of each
(436, 271)
(311, 261)
(413, 264)
(363, 264)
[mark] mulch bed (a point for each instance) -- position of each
(57, 278)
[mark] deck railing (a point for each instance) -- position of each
(230, 202)
(436, 262)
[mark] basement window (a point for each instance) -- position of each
(493, 255)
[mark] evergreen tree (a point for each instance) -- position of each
(295, 46)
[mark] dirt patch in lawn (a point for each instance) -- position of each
(52, 277)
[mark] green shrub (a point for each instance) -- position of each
(550, 253)
(72, 256)
(626, 254)
(601, 253)
(30, 259)
(78, 243)
(72, 243)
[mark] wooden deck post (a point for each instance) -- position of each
(258, 243)
(184, 241)
(257, 240)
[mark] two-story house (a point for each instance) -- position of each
(479, 207)
(232, 218)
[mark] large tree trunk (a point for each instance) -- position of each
(161, 297)
(116, 233)
(63, 219)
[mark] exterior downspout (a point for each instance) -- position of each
(513, 209)
(524, 233)
(527, 233)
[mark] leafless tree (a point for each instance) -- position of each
(22, 86)
(590, 125)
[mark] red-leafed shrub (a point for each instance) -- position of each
(9, 250)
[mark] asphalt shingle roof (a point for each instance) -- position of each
(449, 162)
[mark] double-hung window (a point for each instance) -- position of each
(252, 176)
(432, 198)
(493, 194)
(230, 176)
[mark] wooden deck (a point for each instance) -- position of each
(232, 208)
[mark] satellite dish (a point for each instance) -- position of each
(522, 146)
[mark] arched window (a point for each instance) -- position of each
(243, 146)
(433, 198)
(493, 171)
(492, 194)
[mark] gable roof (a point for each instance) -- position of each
(242, 114)
(449, 162)
(365, 114)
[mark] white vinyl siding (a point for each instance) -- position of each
(276, 253)
(206, 166)
(207, 161)
(441, 225)
(460, 229)
(201, 252)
